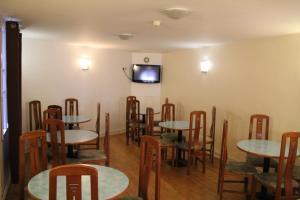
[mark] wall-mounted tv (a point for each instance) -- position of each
(146, 73)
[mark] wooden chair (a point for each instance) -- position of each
(37, 156)
(210, 139)
(98, 156)
(195, 149)
(35, 115)
(282, 182)
(133, 121)
(232, 168)
(128, 104)
(56, 107)
(58, 147)
(71, 108)
(259, 129)
(168, 114)
(149, 158)
(94, 144)
(73, 175)
(165, 143)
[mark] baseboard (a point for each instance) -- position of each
(117, 131)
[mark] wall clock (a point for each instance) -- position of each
(146, 59)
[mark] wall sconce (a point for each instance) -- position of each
(205, 65)
(84, 63)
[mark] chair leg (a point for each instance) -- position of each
(203, 166)
(212, 152)
(188, 164)
(253, 188)
(246, 184)
(221, 186)
(173, 156)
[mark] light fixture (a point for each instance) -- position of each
(156, 23)
(84, 62)
(205, 65)
(125, 36)
(176, 12)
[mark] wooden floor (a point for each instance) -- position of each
(175, 184)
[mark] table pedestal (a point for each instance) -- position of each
(180, 162)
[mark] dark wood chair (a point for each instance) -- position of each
(71, 108)
(242, 169)
(168, 114)
(133, 121)
(57, 134)
(73, 175)
(149, 158)
(35, 115)
(94, 144)
(210, 139)
(259, 129)
(128, 104)
(56, 107)
(37, 156)
(282, 182)
(195, 149)
(51, 113)
(165, 143)
(98, 156)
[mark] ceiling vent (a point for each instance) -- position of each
(176, 13)
(125, 36)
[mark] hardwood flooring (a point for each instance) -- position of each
(175, 184)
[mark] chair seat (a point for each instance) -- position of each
(184, 146)
(93, 154)
(242, 168)
(259, 161)
(270, 180)
(171, 136)
(166, 142)
(131, 198)
(296, 173)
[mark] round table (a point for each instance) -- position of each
(75, 119)
(112, 183)
(76, 136)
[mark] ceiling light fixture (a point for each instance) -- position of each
(176, 12)
(125, 36)
(156, 23)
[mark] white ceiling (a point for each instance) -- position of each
(96, 22)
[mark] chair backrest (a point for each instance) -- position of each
(128, 103)
(56, 107)
(98, 118)
(213, 123)
(197, 124)
(167, 114)
(223, 159)
(51, 113)
(73, 175)
(71, 106)
(261, 123)
(150, 152)
(35, 115)
(134, 110)
(57, 134)
(288, 154)
(37, 155)
(149, 121)
(106, 137)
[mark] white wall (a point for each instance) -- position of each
(254, 76)
(51, 74)
(148, 94)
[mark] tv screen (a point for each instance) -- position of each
(146, 73)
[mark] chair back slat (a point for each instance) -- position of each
(98, 118)
(149, 121)
(36, 141)
(149, 156)
(197, 123)
(35, 115)
(106, 138)
(73, 175)
(58, 108)
(58, 148)
(288, 154)
(261, 124)
(213, 123)
(167, 114)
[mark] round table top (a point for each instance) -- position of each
(263, 148)
(175, 125)
(111, 183)
(76, 136)
(75, 119)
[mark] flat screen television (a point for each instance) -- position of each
(146, 73)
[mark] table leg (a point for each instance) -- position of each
(180, 162)
(70, 148)
(263, 194)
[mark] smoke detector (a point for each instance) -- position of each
(125, 36)
(176, 12)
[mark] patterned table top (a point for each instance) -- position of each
(74, 119)
(263, 148)
(76, 136)
(112, 183)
